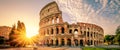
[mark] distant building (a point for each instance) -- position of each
(4, 31)
(54, 31)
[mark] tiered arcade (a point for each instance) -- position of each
(55, 32)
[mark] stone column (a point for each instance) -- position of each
(78, 42)
(54, 42)
(55, 20)
(66, 30)
(54, 30)
(49, 42)
(72, 42)
(79, 31)
(50, 20)
(84, 42)
(93, 41)
(65, 41)
(59, 41)
(60, 30)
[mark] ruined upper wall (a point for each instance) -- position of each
(49, 9)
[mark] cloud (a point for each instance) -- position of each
(104, 13)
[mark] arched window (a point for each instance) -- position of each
(87, 34)
(84, 33)
(75, 31)
(70, 31)
(57, 20)
(51, 31)
(88, 29)
(52, 21)
(62, 30)
(57, 30)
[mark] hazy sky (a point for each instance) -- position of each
(105, 13)
(26, 11)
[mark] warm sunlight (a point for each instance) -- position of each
(31, 32)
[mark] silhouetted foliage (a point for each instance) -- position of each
(16, 34)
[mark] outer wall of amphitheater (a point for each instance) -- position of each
(55, 32)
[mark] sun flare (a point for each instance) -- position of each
(31, 32)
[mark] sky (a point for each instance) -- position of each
(105, 13)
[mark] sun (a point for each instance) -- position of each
(31, 32)
(29, 35)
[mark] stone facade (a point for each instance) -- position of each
(54, 32)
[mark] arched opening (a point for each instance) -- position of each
(91, 42)
(57, 20)
(62, 30)
(52, 42)
(76, 42)
(69, 42)
(52, 21)
(76, 33)
(88, 42)
(76, 30)
(47, 43)
(52, 31)
(81, 32)
(62, 42)
(70, 31)
(56, 42)
(81, 42)
(88, 29)
(84, 33)
(87, 34)
(57, 30)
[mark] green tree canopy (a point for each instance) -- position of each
(118, 30)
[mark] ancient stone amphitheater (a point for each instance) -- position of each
(55, 32)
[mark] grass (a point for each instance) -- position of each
(97, 48)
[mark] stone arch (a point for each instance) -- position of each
(52, 31)
(91, 43)
(62, 42)
(76, 42)
(70, 31)
(81, 42)
(47, 42)
(57, 19)
(88, 42)
(53, 21)
(76, 31)
(56, 42)
(52, 42)
(69, 42)
(88, 34)
(63, 30)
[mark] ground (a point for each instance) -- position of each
(43, 48)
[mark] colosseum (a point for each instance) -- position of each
(55, 32)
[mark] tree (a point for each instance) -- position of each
(109, 39)
(117, 38)
(2, 40)
(118, 30)
(17, 35)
